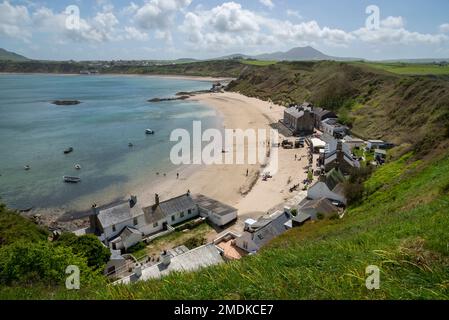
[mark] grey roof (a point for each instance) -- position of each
(127, 231)
(339, 189)
(118, 213)
(169, 207)
(192, 260)
(213, 205)
(321, 205)
(333, 178)
(269, 227)
(302, 217)
(295, 112)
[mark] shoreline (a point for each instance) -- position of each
(162, 76)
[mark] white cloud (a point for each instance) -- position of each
(135, 34)
(230, 25)
(294, 13)
(14, 21)
(392, 31)
(159, 15)
(444, 28)
(393, 22)
(267, 3)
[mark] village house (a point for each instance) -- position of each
(331, 127)
(374, 144)
(217, 212)
(330, 186)
(300, 119)
(338, 155)
(353, 142)
(313, 208)
(321, 114)
(258, 233)
(124, 224)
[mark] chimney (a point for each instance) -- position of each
(188, 193)
(340, 153)
(138, 270)
(156, 199)
(93, 218)
(165, 258)
(132, 201)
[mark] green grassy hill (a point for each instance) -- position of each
(11, 56)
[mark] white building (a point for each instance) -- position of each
(333, 128)
(353, 142)
(374, 144)
(260, 232)
(123, 224)
(330, 186)
(217, 212)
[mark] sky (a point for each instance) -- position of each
(172, 29)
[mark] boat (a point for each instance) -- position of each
(77, 167)
(69, 179)
(69, 150)
(27, 168)
(130, 145)
(149, 131)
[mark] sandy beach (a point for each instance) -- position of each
(229, 183)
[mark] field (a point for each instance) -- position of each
(260, 63)
(411, 68)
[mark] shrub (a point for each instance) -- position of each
(25, 262)
(294, 212)
(320, 216)
(195, 242)
(87, 246)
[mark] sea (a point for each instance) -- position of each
(113, 113)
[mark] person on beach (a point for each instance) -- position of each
(177, 175)
(247, 172)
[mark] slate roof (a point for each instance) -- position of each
(118, 213)
(269, 227)
(302, 217)
(191, 260)
(295, 112)
(213, 205)
(321, 205)
(167, 208)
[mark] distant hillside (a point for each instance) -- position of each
(11, 56)
(407, 110)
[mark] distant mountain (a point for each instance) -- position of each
(11, 56)
(296, 54)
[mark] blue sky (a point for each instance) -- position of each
(169, 29)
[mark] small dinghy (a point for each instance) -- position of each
(27, 168)
(69, 150)
(130, 145)
(149, 131)
(77, 167)
(69, 179)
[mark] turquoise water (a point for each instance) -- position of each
(114, 112)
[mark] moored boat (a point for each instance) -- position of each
(149, 131)
(77, 167)
(69, 150)
(70, 179)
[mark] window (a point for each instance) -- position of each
(245, 245)
(155, 225)
(113, 228)
(190, 211)
(136, 221)
(182, 214)
(173, 218)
